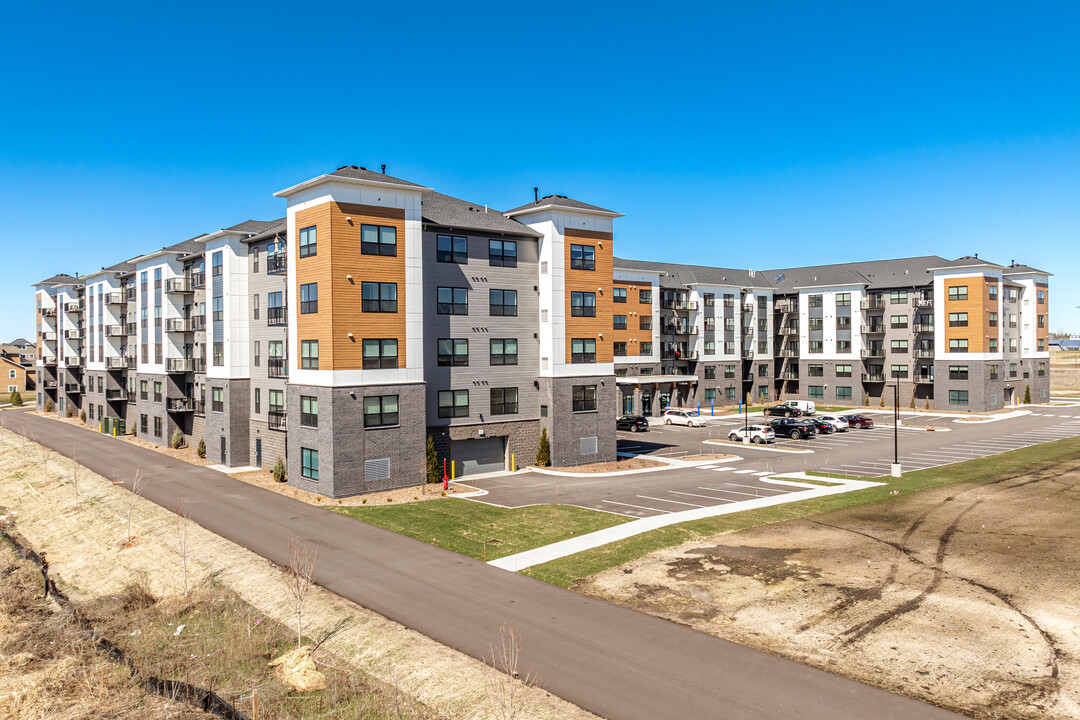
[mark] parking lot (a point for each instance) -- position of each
(867, 453)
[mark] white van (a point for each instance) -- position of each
(807, 406)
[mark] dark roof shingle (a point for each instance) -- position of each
(361, 173)
(452, 212)
(560, 201)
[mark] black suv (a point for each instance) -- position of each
(782, 410)
(794, 429)
(633, 423)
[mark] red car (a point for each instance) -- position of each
(858, 421)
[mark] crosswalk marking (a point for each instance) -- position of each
(724, 469)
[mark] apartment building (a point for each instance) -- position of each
(379, 313)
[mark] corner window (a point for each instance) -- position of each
(309, 298)
(453, 403)
(452, 249)
(378, 297)
(503, 302)
(502, 253)
(582, 257)
(307, 241)
(309, 411)
(378, 240)
(452, 301)
(584, 398)
(381, 411)
(380, 353)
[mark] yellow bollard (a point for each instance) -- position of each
(452, 469)
(114, 431)
(100, 427)
(513, 465)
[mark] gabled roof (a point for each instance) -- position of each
(273, 229)
(1018, 269)
(965, 262)
(699, 274)
(452, 212)
(61, 279)
(893, 273)
(560, 201)
(251, 226)
(12, 362)
(362, 173)
(21, 342)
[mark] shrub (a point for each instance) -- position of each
(912, 401)
(927, 403)
(82, 416)
(16, 398)
(1027, 394)
(48, 405)
(279, 470)
(865, 399)
(433, 474)
(543, 454)
(882, 403)
(68, 412)
(200, 449)
(177, 439)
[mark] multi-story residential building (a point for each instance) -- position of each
(379, 313)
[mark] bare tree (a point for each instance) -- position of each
(507, 690)
(301, 566)
(76, 471)
(182, 519)
(137, 486)
(42, 452)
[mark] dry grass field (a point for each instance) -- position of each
(1064, 373)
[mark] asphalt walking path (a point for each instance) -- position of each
(612, 661)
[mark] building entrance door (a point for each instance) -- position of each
(258, 452)
(646, 404)
(222, 449)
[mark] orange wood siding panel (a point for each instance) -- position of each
(978, 308)
(634, 310)
(1042, 333)
(599, 281)
(348, 260)
(315, 269)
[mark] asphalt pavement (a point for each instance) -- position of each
(612, 661)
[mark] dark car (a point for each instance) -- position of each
(822, 427)
(633, 423)
(794, 429)
(784, 410)
(858, 421)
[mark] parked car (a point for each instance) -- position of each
(839, 423)
(633, 423)
(858, 421)
(758, 434)
(783, 410)
(822, 427)
(683, 417)
(794, 429)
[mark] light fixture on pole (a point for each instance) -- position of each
(895, 470)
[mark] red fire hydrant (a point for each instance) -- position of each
(445, 477)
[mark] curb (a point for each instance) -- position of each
(752, 446)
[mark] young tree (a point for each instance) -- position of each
(82, 416)
(177, 439)
(182, 519)
(433, 475)
(48, 405)
(507, 690)
(137, 485)
(543, 454)
(76, 472)
(1027, 394)
(279, 470)
(16, 398)
(301, 566)
(200, 449)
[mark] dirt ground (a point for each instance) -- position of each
(1064, 372)
(966, 596)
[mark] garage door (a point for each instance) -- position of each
(482, 455)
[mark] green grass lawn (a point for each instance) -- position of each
(566, 570)
(463, 526)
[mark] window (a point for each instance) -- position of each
(763, 324)
(815, 371)
(1041, 321)
(815, 323)
(763, 370)
(309, 411)
(993, 372)
(993, 345)
(378, 297)
(453, 352)
(582, 350)
(729, 347)
(898, 321)
(993, 319)
(898, 297)
(843, 299)
(157, 427)
(618, 295)
(258, 401)
(453, 403)
(257, 352)
(309, 354)
(898, 346)
(504, 401)
(645, 371)
(619, 349)
(843, 393)
(645, 322)
(710, 395)
(958, 372)
(307, 241)
(255, 259)
(993, 289)
(157, 391)
(729, 372)
(452, 249)
(582, 257)
(710, 372)
(276, 404)
(843, 346)
(255, 305)
(958, 292)
(844, 322)
(816, 346)
(958, 397)
(958, 319)
(309, 298)
(710, 347)
(144, 389)
(1041, 370)
(843, 371)
(619, 322)
(1041, 297)
(215, 270)
(381, 411)
(710, 299)
(144, 423)
(957, 345)
(380, 353)
(217, 399)
(645, 297)
(503, 302)
(1012, 370)
(378, 240)
(1012, 320)
(582, 304)
(645, 348)
(584, 398)
(309, 463)
(452, 301)
(815, 391)
(502, 253)
(503, 351)
(729, 393)
(1040, 344)
(899, 371)
(815, 301)
(218, 309)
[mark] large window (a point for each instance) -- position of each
(217, 399)
(815, 391)
(453, 403)
(898, 297)
(309, 411)
(503, 302)
(504, 401)
(958, 319)
(958, 345)
(619, 349)
(380, 411)
(452, 249)
(378, 240)
(584, 398)
(582, 257)
(309, 298)
(502, 253)
(645, 348)
(453, 352)
(815, 370)
(645, 297)
(710, 372)
(958, 397)
(618, 295)
(898, 346)
(817, 346)
(582, 350)
(504, 351)
(620, 322)
(309, 463)
(843, 299)
(815, 301)
(309, 354)
(898, 321)
(899, 371)
(958, 292)
(843, 393)
(843, 371)
(378, 297)
(582, 304)
(452, 301)
(307, 241)
(380, 353)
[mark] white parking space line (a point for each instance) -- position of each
(707, 497)
(762, 474)
(639, 507)
(744, 472)
(723, 469)
(676, 502)
(755, 487)
(736, 492)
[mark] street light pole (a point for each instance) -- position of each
(896, 430)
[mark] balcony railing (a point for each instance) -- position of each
(129, 294)
(873, 352)
(114, 331)
(178, 285)
(179, 365)
(924, 379)
(131, 328)
(789, 376)
(784, 306)
(130, 362)
(788, 353)
(923, 327)
(277, 367)
(873, 377)
(275, 264)
(872, 329)
(48, 336)
(199, 365)
(73, 307)
(678, 305)
(198, 280)
(73, 388)
(115, 298)
(924, 302)
(116, 394)
(73, 361)
(49, 361)
(74, 334)
(50, 384)
(787, 330)
(178, 325)
(48, 312)
(182, 405)
(873, 303)
(275, 420)
(748, 352)
(275, 315)
(198, 322)
(924, 352)
(114, 363)
(678, 330)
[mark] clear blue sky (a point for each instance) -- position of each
(736, 134)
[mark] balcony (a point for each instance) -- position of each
(131, 328)
(130, 362)
(874, 352)
(49, 361)
(924, 352)
(683, 305)
(116, 394)
(73, 362)
(49, 384)
(788, 330)
(276, 316)
(49, 312)
(179, 365)
(48, 336)
(73, 388)
(199, 364)
(872, 303)
(873, 377)
(198, 322)
(179, 286)
(178, 325)
(275, 420)
(923, 327)
(784, 306)
(788, 353)
(73, 307)
(789, 376)
(277, 367)
(74, 334)
(115, 298)
(114, 331)
(927, 379)
(678, 330)
(182, 405)
(748, 352)
(872, 329)
(114, 363)
(924, 302)
(275, 263)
